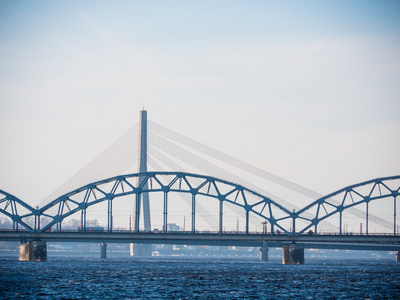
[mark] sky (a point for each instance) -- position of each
(307, 90)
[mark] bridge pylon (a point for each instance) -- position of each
(142, 199)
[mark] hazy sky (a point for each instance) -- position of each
(307, 90)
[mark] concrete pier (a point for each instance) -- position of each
(293, 254)
(33, 251)
(398, 256)
(141, 250)
(103, 250)
(264, 251)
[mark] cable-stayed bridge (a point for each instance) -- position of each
(178, 179)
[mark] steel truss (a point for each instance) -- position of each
(165, 182)
(347, 199)
(196, 185)
(17, 210)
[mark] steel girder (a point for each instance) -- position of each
(223, 191)
(166, 182)
(348, 198)
(17, 210)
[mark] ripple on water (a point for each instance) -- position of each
(196, 279)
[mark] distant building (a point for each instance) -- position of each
(173, 227)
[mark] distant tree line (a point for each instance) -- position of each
(6, 223)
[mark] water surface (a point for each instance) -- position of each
(195, 278)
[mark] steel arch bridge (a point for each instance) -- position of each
(194, 185)
(349, 197)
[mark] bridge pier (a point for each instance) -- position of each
(398, 256)
(264, 251)
(33, 251)
(293, 254)
(103, 250)
(141, 250)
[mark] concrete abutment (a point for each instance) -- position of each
(293, 254)
(33, 251)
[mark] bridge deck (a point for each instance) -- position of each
(351, 242)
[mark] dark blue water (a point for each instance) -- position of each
(181, 278)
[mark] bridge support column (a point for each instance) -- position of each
(141, 250)
(193, 213)
(103, 250)
(165, 220)
(398, 256)
(264, 251)
(221, 216)
(33, 251)
(293, 254)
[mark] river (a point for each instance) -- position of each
(197, 278)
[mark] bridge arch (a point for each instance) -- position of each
(348, 199)
(249, 202)
(17, 211)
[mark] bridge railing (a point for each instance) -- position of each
(120, 231)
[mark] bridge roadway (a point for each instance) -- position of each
(377, 242)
